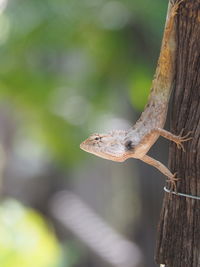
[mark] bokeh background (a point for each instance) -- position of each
(69, 68)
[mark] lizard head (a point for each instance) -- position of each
(109, 146)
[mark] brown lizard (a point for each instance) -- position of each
(136, 142)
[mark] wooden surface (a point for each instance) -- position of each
(178, 238)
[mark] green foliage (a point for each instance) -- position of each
(25, 239)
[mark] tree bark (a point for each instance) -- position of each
(178, 239)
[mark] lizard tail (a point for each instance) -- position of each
(162, 83)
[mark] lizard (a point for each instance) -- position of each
(119, 145)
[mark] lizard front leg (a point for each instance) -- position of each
(178, 139)
(158, 165)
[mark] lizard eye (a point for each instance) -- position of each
(97, 138)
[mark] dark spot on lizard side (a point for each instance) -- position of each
(129, 145)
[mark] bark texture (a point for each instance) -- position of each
(178, 240)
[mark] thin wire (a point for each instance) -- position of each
(181, 194)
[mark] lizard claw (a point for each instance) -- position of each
(173, 182)
(175, 7)
(180, 139)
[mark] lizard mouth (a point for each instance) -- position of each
(83, 146)
(100, 154)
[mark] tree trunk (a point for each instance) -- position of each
(178, 240)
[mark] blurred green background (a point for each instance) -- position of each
(69, 68)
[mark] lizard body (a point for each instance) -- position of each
(136, 142)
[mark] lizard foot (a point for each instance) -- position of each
(175, 7)
(180, 139)
(173, 182)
